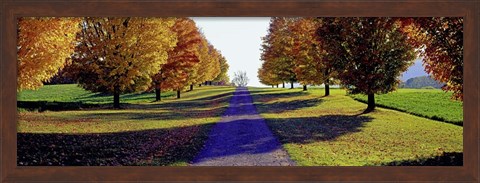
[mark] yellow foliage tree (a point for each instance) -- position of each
(209, 66)
(222, 77)
(213, 64)
(204, 57)
(120, 55)
(43, 46)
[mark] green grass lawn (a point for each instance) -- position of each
(73, 93)
(430, 103)
(169, 132)
(332, 131)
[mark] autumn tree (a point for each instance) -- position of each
(222, 77)
(312, 63)
(371, 54)
(267, 76)
(440, 40)
(120, 55)
(213, 64)
(43, 46)
(202, 51)
(277, 48)
(182, 59)
(209, 66)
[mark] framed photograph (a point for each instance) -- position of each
(239, 91)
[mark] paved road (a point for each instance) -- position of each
(242, 138)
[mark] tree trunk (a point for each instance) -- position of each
(178, 93)
(116, 99)
(191, 87)
(206, 83)
(304, 87)
(272, 86)
(158, 93)
(291, 85)
(277, 85)
(283, 84)
(371, 103)
(199, 85)
(327, 89)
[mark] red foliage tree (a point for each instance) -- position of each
(181, 60)
(440, 40)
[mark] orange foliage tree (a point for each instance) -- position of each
(44, 44)
(182, 59)
(440, 40)
(277, 49)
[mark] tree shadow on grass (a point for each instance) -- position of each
(223, 97)
(264, 104)
(446, 159)
(192, 109)
(181, 104)
(56, 106)
(312, 129)
(172, 114)
(280, 107)
(262, 96)
(69, 106)
(163, 146)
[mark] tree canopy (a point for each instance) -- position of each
(440, 40)
(375, 53)
(44, 45)
(120, 55)
(174, 74)
(277, 49)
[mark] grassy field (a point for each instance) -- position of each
(169, 132)
(72, 93)
(332, 131)
(430, 103)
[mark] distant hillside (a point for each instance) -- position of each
(415, 70)
(421, 82)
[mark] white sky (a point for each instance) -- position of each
(239, 41)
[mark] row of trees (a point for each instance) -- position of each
(118, 55)
(365, 55)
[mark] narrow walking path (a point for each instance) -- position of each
(241, 138)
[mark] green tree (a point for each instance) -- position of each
(374, 52)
